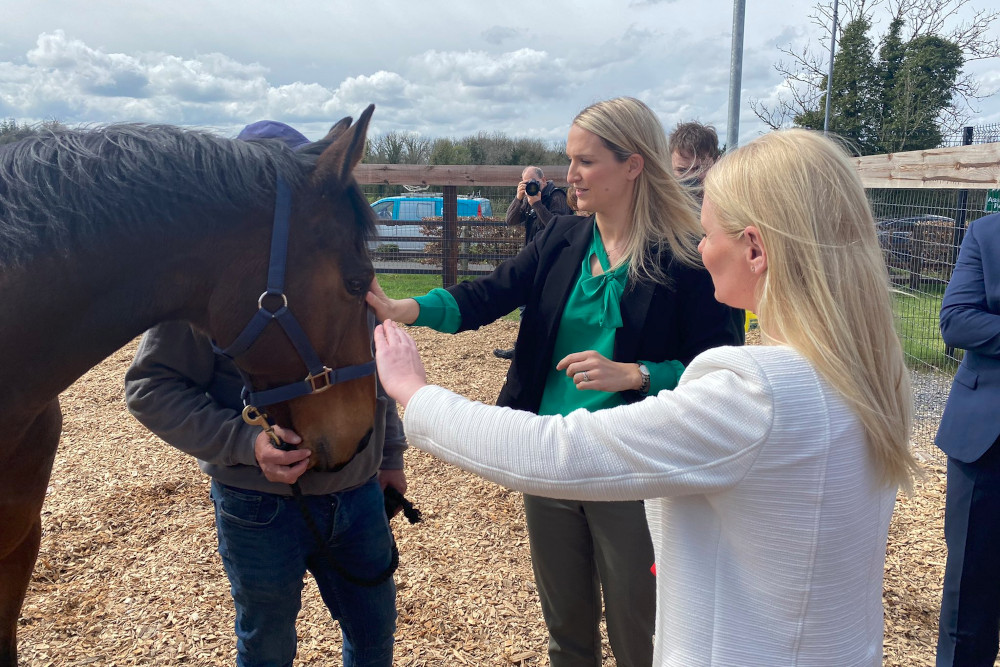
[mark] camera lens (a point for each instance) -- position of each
(532, 188)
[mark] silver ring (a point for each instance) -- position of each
(586, 378)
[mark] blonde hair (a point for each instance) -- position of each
(826, 288)
(663, 212)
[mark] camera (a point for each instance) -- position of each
(532, 187)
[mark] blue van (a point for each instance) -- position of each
(410, 207)
(415, 208)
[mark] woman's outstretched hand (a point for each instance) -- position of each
(399, 368)
(400, 310)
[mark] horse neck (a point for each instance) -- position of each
(64, 315)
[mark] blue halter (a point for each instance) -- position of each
(320, 377)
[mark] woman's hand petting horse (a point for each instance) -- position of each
(399, 367)
(279, 465)
(399, 310)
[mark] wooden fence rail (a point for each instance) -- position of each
(954, 168)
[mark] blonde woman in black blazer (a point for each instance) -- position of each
(627, 279)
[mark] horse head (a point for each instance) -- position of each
(327, 273)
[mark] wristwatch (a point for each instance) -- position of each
(644, 373)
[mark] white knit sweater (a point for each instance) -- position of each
(767, 519)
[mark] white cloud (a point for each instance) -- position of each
(381, 87)
(440, 71)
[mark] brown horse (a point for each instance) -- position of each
(106, 232)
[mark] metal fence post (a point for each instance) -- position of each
(961, 206)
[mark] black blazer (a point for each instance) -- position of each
(660, 322)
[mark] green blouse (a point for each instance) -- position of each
(589, 322)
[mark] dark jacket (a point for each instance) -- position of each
(535, 217)
(660, 322)
(970, 320)
(189, 396)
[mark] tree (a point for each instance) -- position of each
(446, 151)
(904, 99)
(397, 148)
(10, 131)
(854, 106)
(918, 92)
(482, 148)
(498, 148)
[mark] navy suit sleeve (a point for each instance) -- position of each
(967, 322)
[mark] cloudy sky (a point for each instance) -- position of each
(441, 69)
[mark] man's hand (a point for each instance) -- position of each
(393, 478)
(277, 464)
(521, 194)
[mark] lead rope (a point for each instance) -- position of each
(325, 549)
(256, 416)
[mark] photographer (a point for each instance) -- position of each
(537, 201)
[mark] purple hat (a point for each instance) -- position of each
(272, 129)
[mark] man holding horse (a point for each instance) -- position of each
(277, 514)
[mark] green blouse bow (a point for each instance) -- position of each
(610, 284)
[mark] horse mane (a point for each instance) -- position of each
(63, 189)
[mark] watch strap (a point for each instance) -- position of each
(644, 374)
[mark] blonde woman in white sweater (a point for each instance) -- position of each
(770, 472)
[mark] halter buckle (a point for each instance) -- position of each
(320, 381)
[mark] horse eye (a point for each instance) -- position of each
(356, 286)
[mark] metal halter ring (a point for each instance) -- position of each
(260, 300)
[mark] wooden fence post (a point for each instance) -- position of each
(449, 236)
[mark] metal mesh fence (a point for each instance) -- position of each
(410, 229)
(920, 232)
(979, 134)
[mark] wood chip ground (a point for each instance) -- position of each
(128, 572)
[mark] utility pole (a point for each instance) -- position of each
(735, 75)
(829, 74)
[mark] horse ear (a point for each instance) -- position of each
(335, 165)
(337, 128)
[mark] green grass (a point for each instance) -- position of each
(918, 327)
(404, 285)
(916, 315)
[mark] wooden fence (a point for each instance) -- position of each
(450, 178)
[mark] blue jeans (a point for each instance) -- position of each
(266, 548)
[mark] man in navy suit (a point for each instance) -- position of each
(968, 434)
